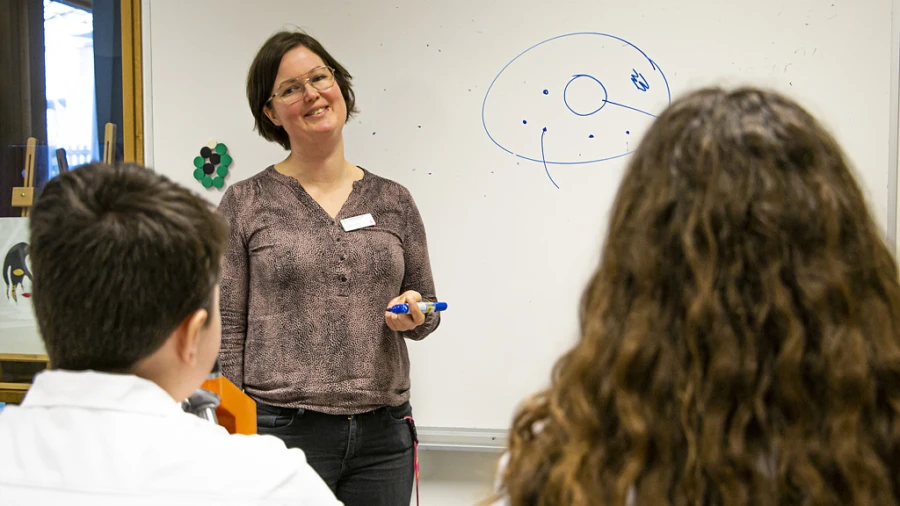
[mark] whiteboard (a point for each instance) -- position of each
(511, 123)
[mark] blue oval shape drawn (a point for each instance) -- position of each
(623, 80)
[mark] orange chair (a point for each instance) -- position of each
(220, 401)
(236, 410)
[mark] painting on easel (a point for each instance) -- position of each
(18, 328)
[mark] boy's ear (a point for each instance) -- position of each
(188, 336)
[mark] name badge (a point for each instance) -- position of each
(358, 222)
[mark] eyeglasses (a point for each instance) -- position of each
(292, 90)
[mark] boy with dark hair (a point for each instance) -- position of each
(126, 273)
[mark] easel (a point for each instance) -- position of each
(13, 383)
(15, 379)
(61, 161)
(19, 367)
(109, 144)
(23, 196)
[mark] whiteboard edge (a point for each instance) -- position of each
(461, 439)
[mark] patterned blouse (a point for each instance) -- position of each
(303, 300)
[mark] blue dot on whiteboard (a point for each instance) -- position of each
(627, 132)
(524, 121)
(546, 92)
(591, 136)
(545, 129)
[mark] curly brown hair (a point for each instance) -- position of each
(739, 339)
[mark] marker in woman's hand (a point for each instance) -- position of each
(425, 307)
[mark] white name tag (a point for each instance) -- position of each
(358, 222)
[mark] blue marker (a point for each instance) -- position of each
(425, 307)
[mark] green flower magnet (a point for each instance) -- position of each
(211, 167)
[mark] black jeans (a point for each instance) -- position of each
(365, 459)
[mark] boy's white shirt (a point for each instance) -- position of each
(94, 438)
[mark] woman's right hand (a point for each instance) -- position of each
(404, 322)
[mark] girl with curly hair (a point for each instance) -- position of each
(740, 339)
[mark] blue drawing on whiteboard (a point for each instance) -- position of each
(639, 82)
(583, 94)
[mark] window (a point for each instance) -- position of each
(74, 68)
(70, 90)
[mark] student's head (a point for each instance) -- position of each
(126, 270)
(740, 339)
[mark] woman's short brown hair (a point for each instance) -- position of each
(261, 80)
